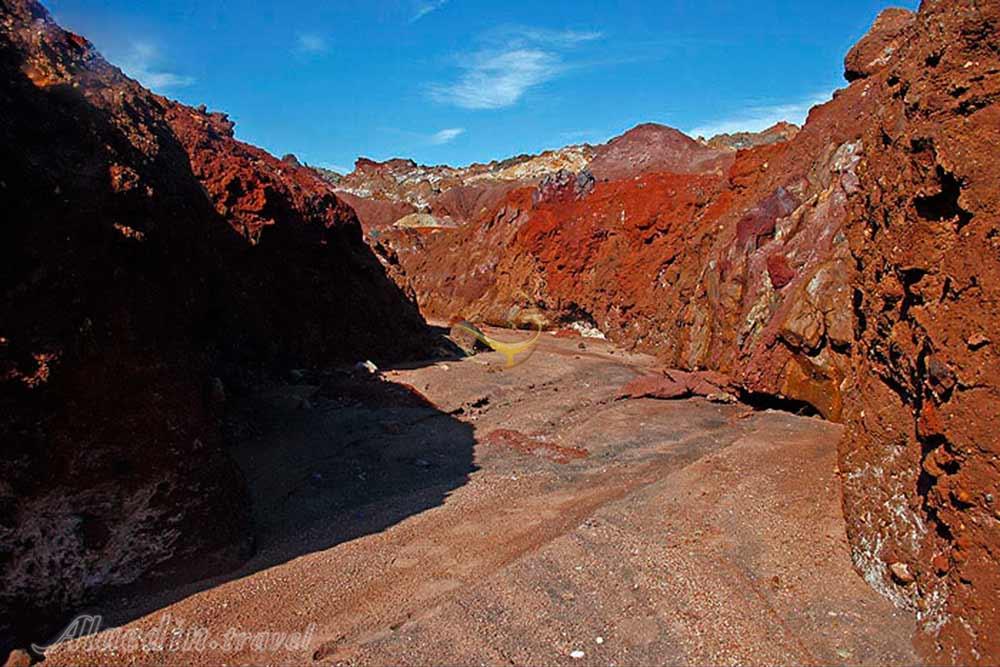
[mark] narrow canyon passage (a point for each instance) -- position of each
(456, 513)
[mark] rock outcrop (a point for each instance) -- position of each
(877, 48)
(150, 265)
(922, 454)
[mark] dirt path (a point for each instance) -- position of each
(527, 517)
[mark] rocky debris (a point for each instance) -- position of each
(877, 48)
(901, 573)
(144, 252)
(586, 329)
(673, 383)
(779, 271)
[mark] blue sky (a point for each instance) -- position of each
(458, 81)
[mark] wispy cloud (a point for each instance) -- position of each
(497, 80)
(310, 43)
(755, 118)
(142, 62)
(513, 61)
(445, 136)
(425, 7)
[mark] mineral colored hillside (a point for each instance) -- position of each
(781, 131)
(401, 182)
(384, 192)
(132, 305)
(852, 266)
(651, 147)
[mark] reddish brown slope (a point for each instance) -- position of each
(650, 147)
(125, 291)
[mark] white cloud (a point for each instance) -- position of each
(761, 117)
(425, 7)
(445, 136)
(520, 35)
(498, 76)
(310, 43)
(141, 63)
(497, 80)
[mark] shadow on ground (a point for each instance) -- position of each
(348, 455)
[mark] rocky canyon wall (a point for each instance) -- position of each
(150, 265)
(851, 266)
(921, 457)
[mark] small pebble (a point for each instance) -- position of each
(599, 640)
(577, 654)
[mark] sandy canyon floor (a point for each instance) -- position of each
(457, 513)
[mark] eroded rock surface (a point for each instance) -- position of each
(922, 453)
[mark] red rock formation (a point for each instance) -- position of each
(852, 267)
(383, 192)
(125, 291)
(922, 480)
(878, 47)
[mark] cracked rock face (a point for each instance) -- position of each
(922, 455)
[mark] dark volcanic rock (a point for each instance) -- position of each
(125, 290)
(562, 186)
